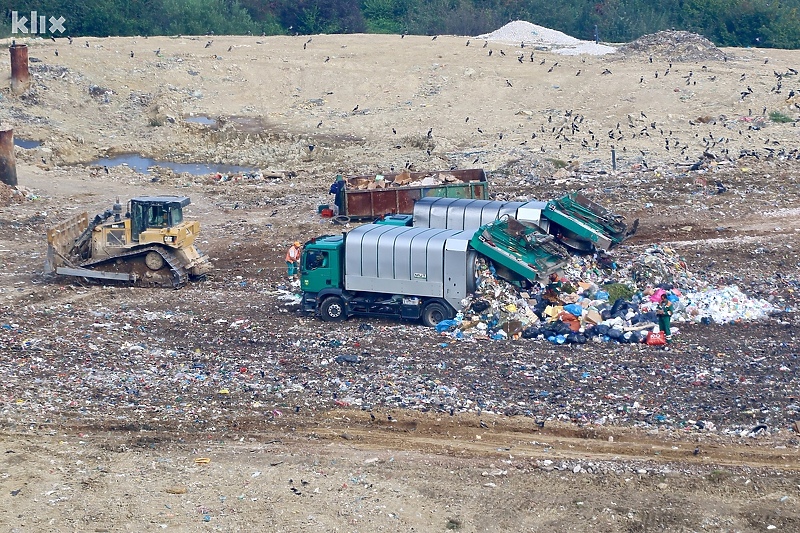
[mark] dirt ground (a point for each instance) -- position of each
(216, 407)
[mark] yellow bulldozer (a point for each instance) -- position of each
(150, 246)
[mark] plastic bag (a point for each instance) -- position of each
(656, 338)
(445, 325)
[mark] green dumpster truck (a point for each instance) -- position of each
(574, 220)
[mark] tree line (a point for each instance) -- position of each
(740, 23)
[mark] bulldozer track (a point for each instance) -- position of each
(179, 275)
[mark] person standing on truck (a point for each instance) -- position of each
(293, 261)
(664, 313)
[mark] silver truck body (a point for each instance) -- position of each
(465, 214)
(414, 261)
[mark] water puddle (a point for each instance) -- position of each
(27, 144)
(200, 119)
(143, 164)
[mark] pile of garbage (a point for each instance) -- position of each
(600, 301)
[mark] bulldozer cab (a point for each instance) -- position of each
(155, 212)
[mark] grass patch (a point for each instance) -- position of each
(777, 116)
(718, 476)
(557, 163)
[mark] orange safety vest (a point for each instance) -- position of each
(293, 255)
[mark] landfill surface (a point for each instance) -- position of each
(218, 407)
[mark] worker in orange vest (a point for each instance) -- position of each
(293, 261)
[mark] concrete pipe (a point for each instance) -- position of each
(8, 163)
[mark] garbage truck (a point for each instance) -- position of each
(415, 273)
(574, 220)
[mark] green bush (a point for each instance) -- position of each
(777, 116)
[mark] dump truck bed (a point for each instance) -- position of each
(521, 250)
(369, 197)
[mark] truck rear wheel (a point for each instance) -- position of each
(434, 313)
(332, 309)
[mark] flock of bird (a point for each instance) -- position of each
(568, 131)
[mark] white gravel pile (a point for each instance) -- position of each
(519, 31)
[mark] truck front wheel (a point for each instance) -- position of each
(332, 309)
(434, 313)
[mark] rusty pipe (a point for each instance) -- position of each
(20, 76)
(8, 163)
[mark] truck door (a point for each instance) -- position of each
(317, 272)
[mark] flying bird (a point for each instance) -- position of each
(606, 71)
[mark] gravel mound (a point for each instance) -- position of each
(527, 34)
(674, 46)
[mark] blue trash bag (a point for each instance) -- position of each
(446, 325)
(601, 295)
(574, 309)
(672, 297)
